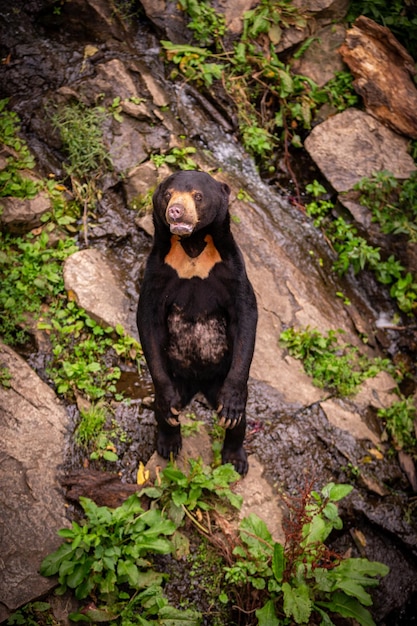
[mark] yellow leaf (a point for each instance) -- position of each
(376, 453)
(142, 475)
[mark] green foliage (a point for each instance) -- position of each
(5, 376)
(80, 128)
(207, 25)
(95, 434)
(339, 91)
(13, 182)
(33, 614)
(253, 74)
(197, 490)
(30, 273)
(399, 421)
(340, 368)
(304, 579)
(393, 203)
(398, 15)
(354, 251)
(179, 157)
(109, 555)
(86, 354)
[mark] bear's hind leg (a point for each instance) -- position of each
(168, 439)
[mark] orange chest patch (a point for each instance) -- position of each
(189, 267)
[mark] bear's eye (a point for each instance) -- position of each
(167, 195)
(198, 196)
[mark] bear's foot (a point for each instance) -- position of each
(169, 443)
(238, 458)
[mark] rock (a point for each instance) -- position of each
(322, 58)
(352, 145)
(319, 14)
(33, 424)
(21, 215)
(94, 284)
(141, 181)
(169, 20)
(384, 74)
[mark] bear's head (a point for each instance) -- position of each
(188, 201)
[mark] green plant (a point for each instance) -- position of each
(109, 556)
(33, 614)
(393, 203)
(31, 274)
(86, 354)
(303, 580)
(355, 252)
(399, 421)
(207, 25)
(93, 433)
(185, 494)
(271, 102)
(340, 368)
(5, 376)
(177, 156)
(80, 128)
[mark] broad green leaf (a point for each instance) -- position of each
(337, 492)
(254, 532)
(51, 564)
(297, 603)
(79, 617)
(99, 615)
(266, 615)
(108, 455)
(348, 607)
(286, 86)
(278, 561)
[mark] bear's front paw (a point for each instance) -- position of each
(169, 442)
(231, 407)
(238, 458)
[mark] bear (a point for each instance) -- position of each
(197, 312)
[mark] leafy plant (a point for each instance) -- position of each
(31, 273)
(355, 252)
(5, 376)
(86, 354)
(340, 368)
(399, 421)
(109, 556)
(272, 103)
(303, 579)
(207, 24)
(81, 132)
(33, 614)
(185, 494)
(177, 156)
(94, 434)
(393, 203)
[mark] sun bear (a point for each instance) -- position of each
(197, 311)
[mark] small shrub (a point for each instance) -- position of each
(303, 579)
(340, 368)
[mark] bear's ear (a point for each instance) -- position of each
(226, 189)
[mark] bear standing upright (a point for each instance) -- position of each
(197, 311)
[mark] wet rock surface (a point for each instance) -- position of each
(32, 505)
(297, 434)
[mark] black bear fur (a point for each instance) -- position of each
(197, 311)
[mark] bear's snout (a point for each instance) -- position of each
(175, 212)
(181, 214)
